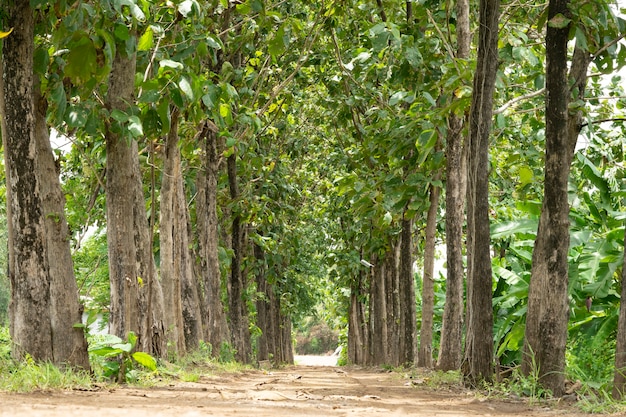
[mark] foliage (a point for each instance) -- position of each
(315, 339)
(92, 273)
(117, 358)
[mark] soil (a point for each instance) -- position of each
(291, 391)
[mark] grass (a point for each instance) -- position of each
(30, 376)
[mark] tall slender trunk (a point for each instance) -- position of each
(173, 240)
(392, 288)
(548, 306)
(379, 342)
(478, 361)
(69, 343)
(357, 324)
(425, 354)
(407, 347)
(215, 328)
(450, 347)
(238, 309)
(131, 264)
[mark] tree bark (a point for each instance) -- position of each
(357, 325)
(130, 252)
(425, 353)
(407, 348)
(69, 343)
(216, 328)
(238, 309)
(619, 378)
(44, 298)
(174, 245)
(379, 342)
(548, 307)
(478, 361)
(450, 348)
(392, 288)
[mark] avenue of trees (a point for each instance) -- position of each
(231, 167)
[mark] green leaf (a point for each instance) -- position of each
(163, 109)
(500, 230)
(124, 347)
(132, 339)
(185, 87)
(214, 42)
(135, 127)
(40, 61)
(187, 7)
(146, 41)
(81, 60)
(559, 21)
(121, 32)
(146, 360)
(525, 175)
(105, 351)
(168, 63)
(77, 116)
(276, 45)
(119, 116)
(60, 100)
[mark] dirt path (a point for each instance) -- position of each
(294, 391)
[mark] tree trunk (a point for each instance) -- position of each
(131, 266)
(238, 309)
(392, 288)
(70, 345)
(478, 362)
(216, 327)
(425, 353)
(274, 344)
(408, 326)
(44, 298)
(619, 378)
(174, 245)
(379, 342)
(548, 307)
(357, 324)
(265, 347)
(450, 348)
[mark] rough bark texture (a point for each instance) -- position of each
(478, 361)
(379, 342)
(407, 348)
(30, 286)
(238, 309)
(450, 349)
(619, 378)
(174, 245)
(69, 343)
(357, 325)
(131, 264)
(215, 325)
(548, 310)
(44, 300)
(392, 288)
(425, 352)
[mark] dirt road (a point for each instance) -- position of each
(293, 391)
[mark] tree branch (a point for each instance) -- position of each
(518, 99)
(596, 122)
